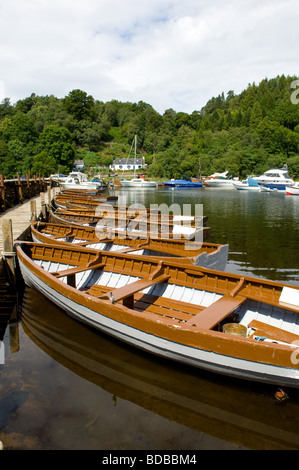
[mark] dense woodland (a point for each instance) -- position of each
(244, 134)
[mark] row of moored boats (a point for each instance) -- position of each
(276, 179)
(163, 291)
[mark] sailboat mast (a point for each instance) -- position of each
(135, 156)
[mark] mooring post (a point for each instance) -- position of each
(2, 188)
(49, 198)
(43, 206)
(20, 192)
(8, 251)
(33, 209)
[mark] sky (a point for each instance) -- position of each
(168, 53)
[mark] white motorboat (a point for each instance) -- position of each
(293, 190)
(58, 178)
(78, 180)
(250, 184)
(220, 180)
(276, 178)
(139, 183)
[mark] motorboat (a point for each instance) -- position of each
(240, 326)
(58, 178)
(219, 180)
(139, 183)
(250, 184)
(293, 190)
(183, 183)
(79, 181)
(276, 178)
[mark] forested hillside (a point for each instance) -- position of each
(243, 134)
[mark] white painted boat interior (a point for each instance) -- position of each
(250, 310)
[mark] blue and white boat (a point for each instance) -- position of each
(183, 183)
(275, 179)
(250, 184)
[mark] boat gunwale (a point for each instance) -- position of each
(176, 247)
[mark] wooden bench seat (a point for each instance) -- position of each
(190, 314)
(212, 315)
(161, 306)
(71, 272)
(126, 293)
(170, 308)
(272, 332)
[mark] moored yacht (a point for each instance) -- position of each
(78, 180)
(276, 178)
(219, 180)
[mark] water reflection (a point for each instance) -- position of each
(206, 411)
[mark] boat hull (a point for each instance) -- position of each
(81, 186)
(219, 184)
(247, 185)
(292, 190)
(272, 186)
(182, 184)
(206, 349)
(139, 184)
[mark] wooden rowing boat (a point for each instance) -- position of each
(82, 202)
(90, 205)
(137, 226)
(172, 310)
(195, 401)
(209, 255)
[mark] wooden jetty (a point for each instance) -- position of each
(15, 224)
(18, 218)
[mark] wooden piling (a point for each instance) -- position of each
(43, 206)
(2, 188)
(8, 249)
(33, 209)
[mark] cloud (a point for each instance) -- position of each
(168, 53)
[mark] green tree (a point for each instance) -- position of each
(43, 164)
(57, 143)
(79, 104)
(293, 166)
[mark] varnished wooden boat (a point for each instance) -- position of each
(197, 401)
(89, 202)
(209, 255)
(175, 311)
(90, 205)
(138, 226)
(109, 210)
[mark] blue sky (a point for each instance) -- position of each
(169, 53)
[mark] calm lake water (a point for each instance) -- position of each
(68, 387)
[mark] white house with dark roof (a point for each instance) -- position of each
(127, 164)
